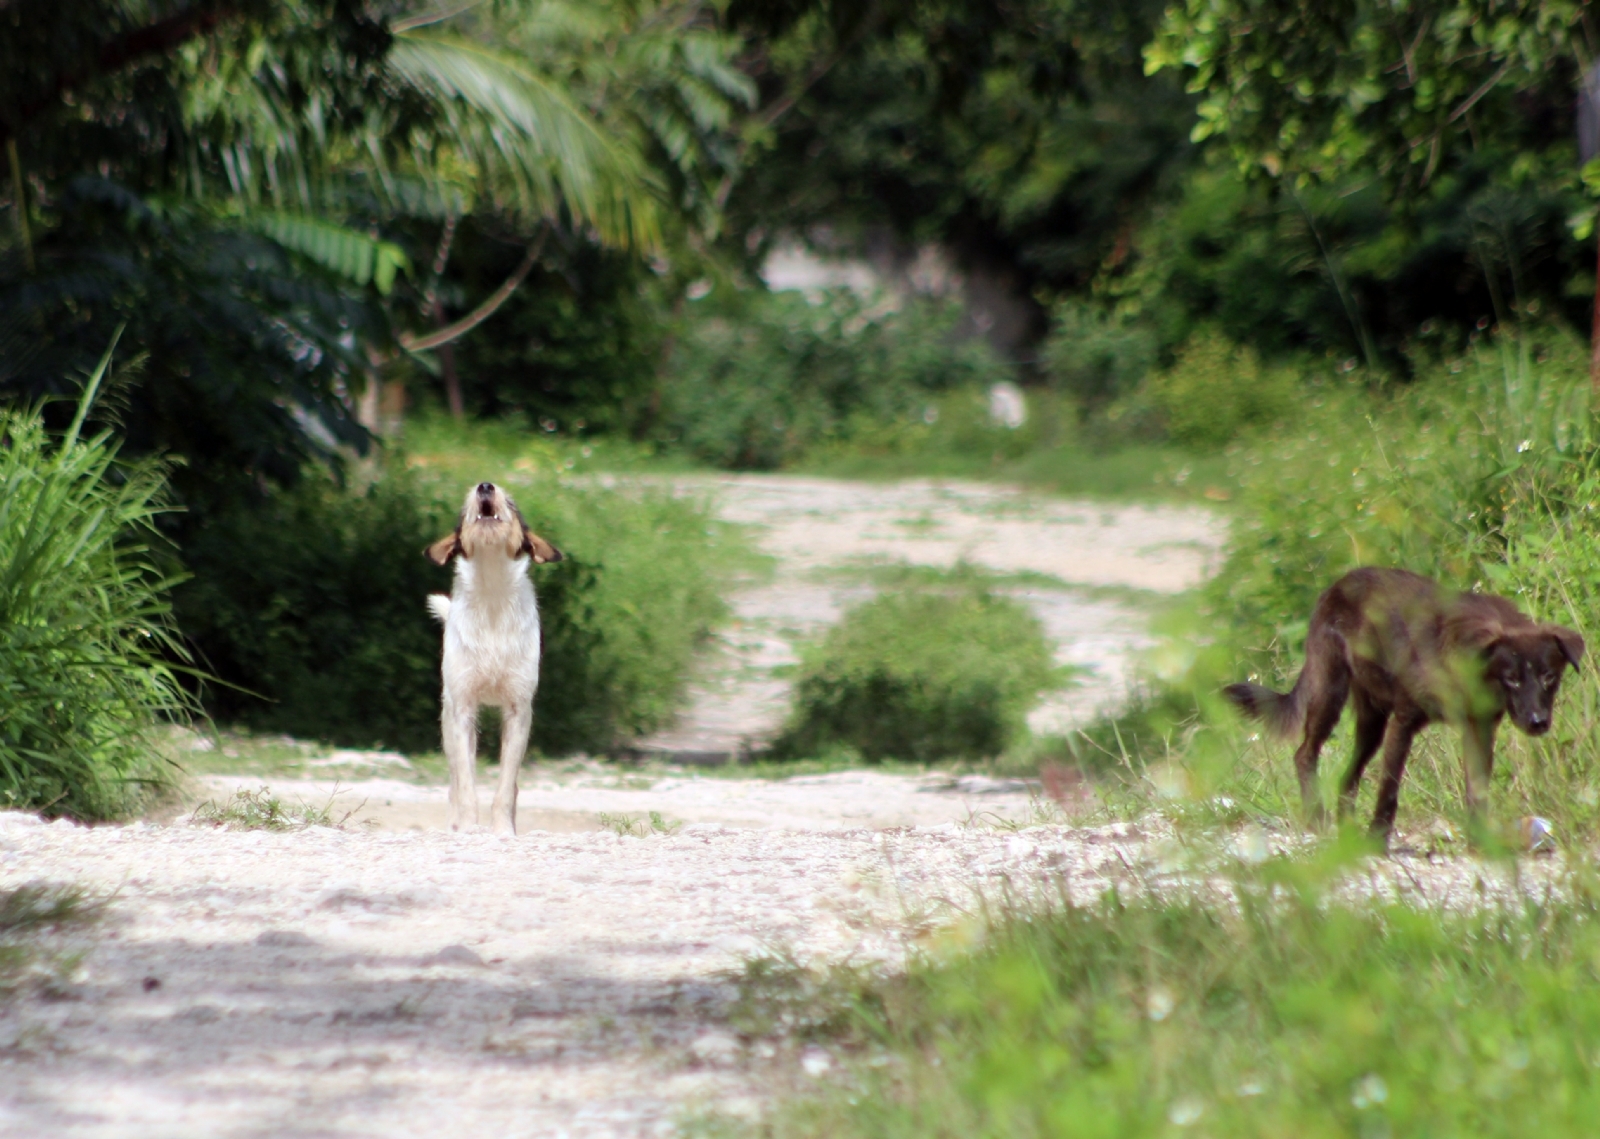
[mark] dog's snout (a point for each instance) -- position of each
(486, 489)
(1537, 724)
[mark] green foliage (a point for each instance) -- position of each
(88, 655)
(577, 346)
(314, 603)
(760, 383)
(1023, 135)
(1288, 1013)
(921, 674)
(1448, 477)
(1215, 390)
(1364, 84)
(357, 256)
(1094, 356)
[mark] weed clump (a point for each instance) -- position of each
(261, 810)
(921, 675)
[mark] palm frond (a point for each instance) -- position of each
(535, 146)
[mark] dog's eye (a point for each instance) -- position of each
(1512, 682)
(1548, 680)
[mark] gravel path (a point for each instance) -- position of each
(343, 983)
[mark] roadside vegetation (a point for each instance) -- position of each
(1282, 1008)
(90, 658)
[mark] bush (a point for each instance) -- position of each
(754, 387)
(1095, 357)
(87, 648)
(921, 675)
(314, 603)
(1215, 390)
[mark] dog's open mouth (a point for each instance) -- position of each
(486, 511)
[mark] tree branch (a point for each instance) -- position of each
(484, 311)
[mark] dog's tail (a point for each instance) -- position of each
(439, 606)
(1280, 712)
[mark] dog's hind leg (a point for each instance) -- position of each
(460, 730)
(1329, 687)
(1370, 721)
(515, 724)
(1403, 729)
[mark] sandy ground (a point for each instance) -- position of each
(392, 979)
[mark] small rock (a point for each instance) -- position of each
(275, 938)
(815, 1062)
(454, 955)
(715, 1048)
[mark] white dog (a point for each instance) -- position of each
(491, 645)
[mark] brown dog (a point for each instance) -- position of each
(1409, 654)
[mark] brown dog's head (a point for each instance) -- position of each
(491, 521)
(1527, 665)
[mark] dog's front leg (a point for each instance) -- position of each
(515, 724)
(1477, 762)
(460, 728)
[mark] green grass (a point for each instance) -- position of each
(634, 826)
(261, 810)
(1284, 1014)
(1052, 452)
(29, 917)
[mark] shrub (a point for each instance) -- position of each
(314, 603)
(1215, 390)
(87, 648)
(1095, 357)
(921, 675)
(756, 387)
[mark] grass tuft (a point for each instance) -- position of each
(28, 915)
(261, 810)
(653, 822)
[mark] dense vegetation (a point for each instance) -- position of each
(89, 656)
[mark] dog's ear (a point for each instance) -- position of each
(1570, 644)
(444, 549)
(538, 549)
(535, 547)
